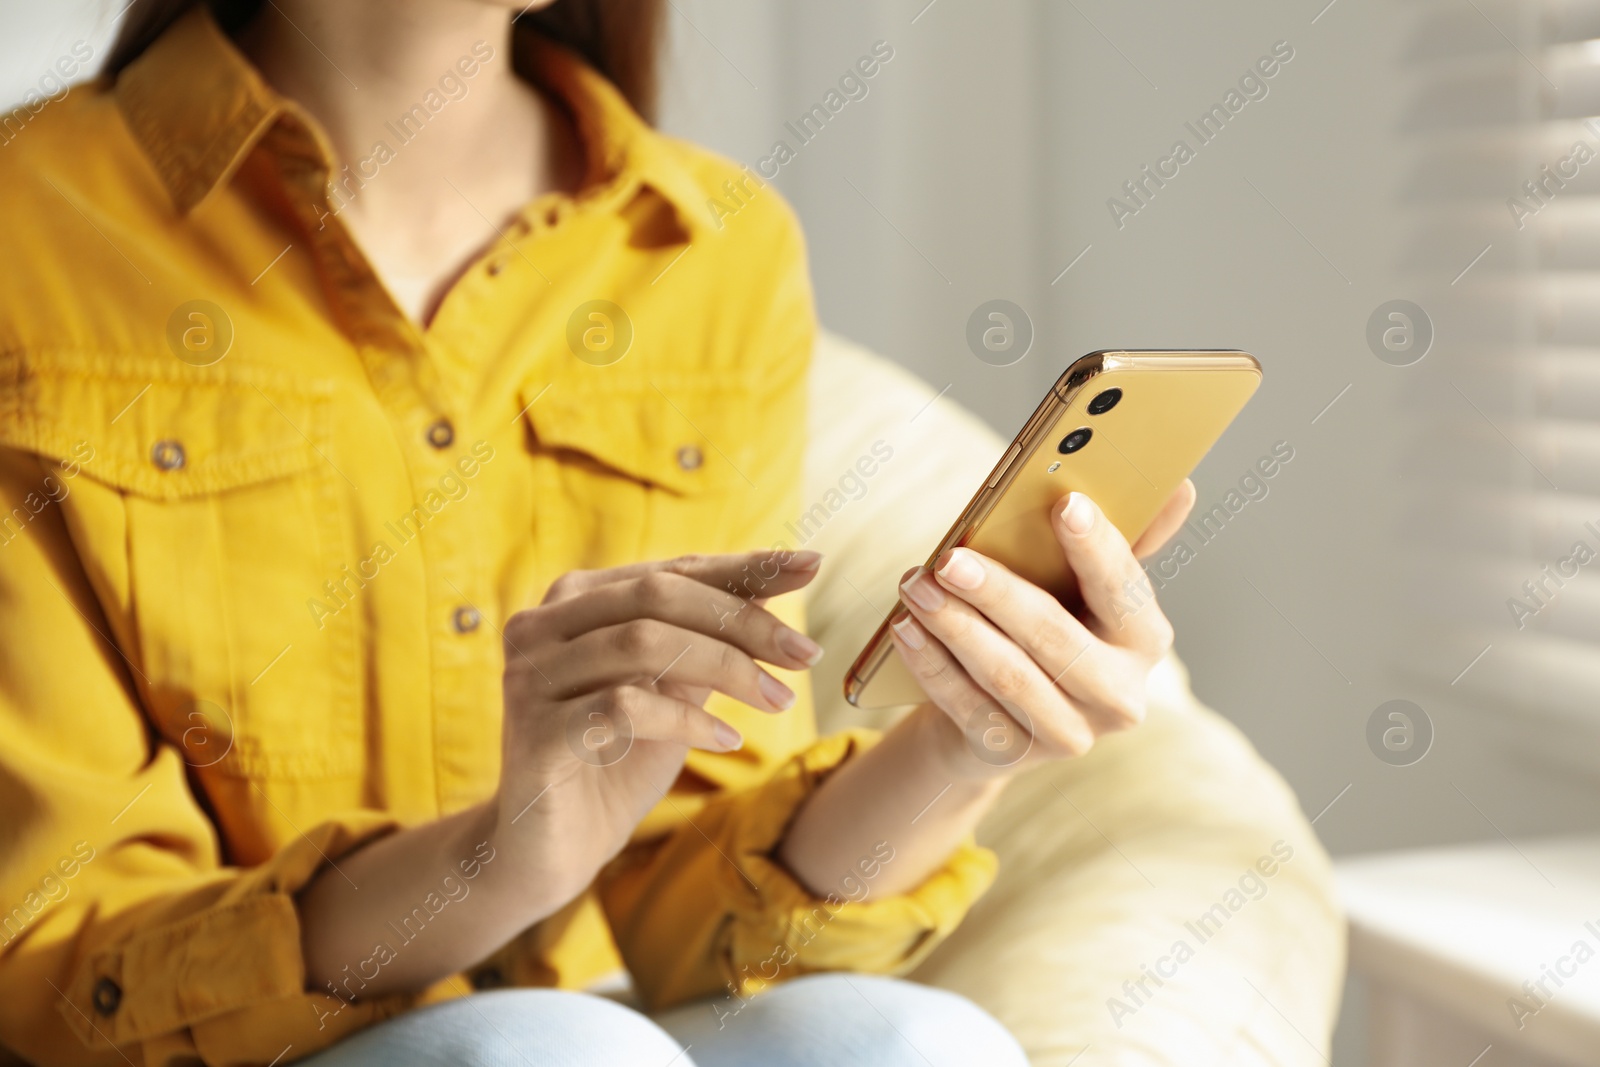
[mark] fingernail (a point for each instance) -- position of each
(776, 693)
(961, 570)
(804, 561)
(796, 644)
(924, 592)
(910, 632)
(729, 738)
(1078, 515)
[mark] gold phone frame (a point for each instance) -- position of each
(1196, 394)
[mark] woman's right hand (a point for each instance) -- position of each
(604, 688)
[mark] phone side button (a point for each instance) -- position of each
(1005, 465)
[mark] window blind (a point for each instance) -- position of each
(1502, 515)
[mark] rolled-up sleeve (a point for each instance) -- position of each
(124, 935)
(710, 909)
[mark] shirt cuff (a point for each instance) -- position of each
(228, 980)
(780, 929)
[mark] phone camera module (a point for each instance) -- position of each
(1075, 440)
(1105, 401)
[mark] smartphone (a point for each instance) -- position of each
(1125, 428)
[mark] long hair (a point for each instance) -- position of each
(619, 38)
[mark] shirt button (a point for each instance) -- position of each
(466, 619)
(168, 455)
(107, 996)
(690, 458)
(496, 266)
(441, 434)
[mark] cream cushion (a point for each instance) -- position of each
(1109, 864)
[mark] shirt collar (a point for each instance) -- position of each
(618, 145)
(196, 106)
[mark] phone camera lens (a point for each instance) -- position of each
(1075, 440)
(1105, 401)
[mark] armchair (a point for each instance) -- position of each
(1161, 900)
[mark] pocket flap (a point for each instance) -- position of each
(160, 431)
(686, 436)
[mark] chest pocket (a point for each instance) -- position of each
(232, 517)
(645, 470)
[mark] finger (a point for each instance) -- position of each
(1029, 615)
(999, 666)
(1174, 513)
(992, 733)
(599, 722)
(673, 598)
(948, 685)
(661, 652)
(1115, 589)
(944, 680)
(761, 573)
(1102, 679)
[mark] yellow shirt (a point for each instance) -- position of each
(259, 533)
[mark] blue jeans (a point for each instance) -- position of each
(824, 1020)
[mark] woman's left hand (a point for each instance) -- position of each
(1022, 677)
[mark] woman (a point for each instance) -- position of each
(337, 337)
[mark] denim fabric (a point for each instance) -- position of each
(831, 1020)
